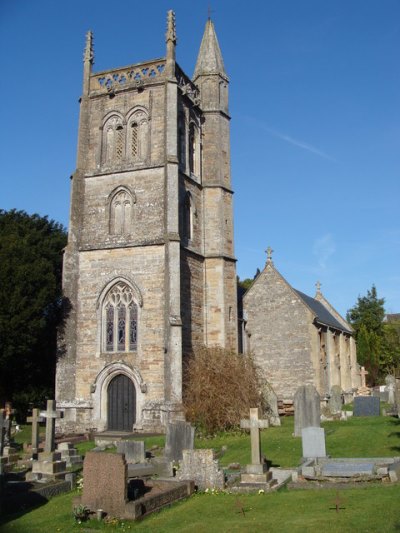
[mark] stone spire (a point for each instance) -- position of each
(209, 60)
(170, 40)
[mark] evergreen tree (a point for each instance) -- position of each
(366, 318)
(30, 304)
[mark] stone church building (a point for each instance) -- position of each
(149, 269)
(296, 339)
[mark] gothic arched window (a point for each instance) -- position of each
(192, 149)
(113, 141)
(121, 213)
(187, 217)
(138, 137)
(119, 319)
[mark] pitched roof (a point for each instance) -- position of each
(323, 316)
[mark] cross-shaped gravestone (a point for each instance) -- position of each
(50, 415)
(363, 373)
(254, 424)
(35, 419)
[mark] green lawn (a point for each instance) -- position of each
(374, 508)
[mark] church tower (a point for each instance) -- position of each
(149, 272)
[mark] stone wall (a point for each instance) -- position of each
(278, 325)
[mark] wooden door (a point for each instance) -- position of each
(121, 404)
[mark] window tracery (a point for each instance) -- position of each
(138, 136)
(113, 140)
(119, 319)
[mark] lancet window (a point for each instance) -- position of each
(121, 213)
(113, 141)
(120, 319)
(138, 138)
(187, 217)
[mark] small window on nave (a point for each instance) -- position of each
(119, 320)
(138, 137)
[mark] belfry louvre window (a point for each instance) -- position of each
(120, 317)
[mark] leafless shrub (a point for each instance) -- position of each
(220, 388)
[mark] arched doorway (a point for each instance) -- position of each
(121, 409)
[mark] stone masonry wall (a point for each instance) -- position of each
(278, 325)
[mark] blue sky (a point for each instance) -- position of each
(314, 100)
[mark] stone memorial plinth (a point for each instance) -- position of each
(69, 454)
(202, 467)
(366, 406)
(348, 469)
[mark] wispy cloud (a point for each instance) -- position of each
(291, 140)
(300, 144)
(323, 249)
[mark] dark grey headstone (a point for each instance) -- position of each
(348, 469)
(366, 406)
(179, 437)
(307, 409)
(133, 450)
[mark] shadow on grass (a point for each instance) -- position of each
(15, 504)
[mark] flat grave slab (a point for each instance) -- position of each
(366, 406)
(348, 469)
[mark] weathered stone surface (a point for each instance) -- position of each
(289, 344)
(105, 482)
(390, 382)
(366, 406)
(307, 409)
(335, 400)
(133, 450)
(179, 437)
(271, 401)
(313, 442)
(151, 208)
(201, 467)
(348, 469)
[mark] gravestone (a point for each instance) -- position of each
(271, 402)
(390, 382)
(35, 419)
(201, 467)
(348, 469)
(69, 454)
(257, 471)
(133, 451)
(335, 400)
(105, 482)
(313, 442)
(8, 414)
(363, 390)
(366, 406)
(179, 437)
(307, 409)
(50, 415)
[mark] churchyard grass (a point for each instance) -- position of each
(372, 509)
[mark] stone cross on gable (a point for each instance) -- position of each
(318, 286)
(269, 251)
(254, 424)
(50, 415)
(35, 419)
(363, 373)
